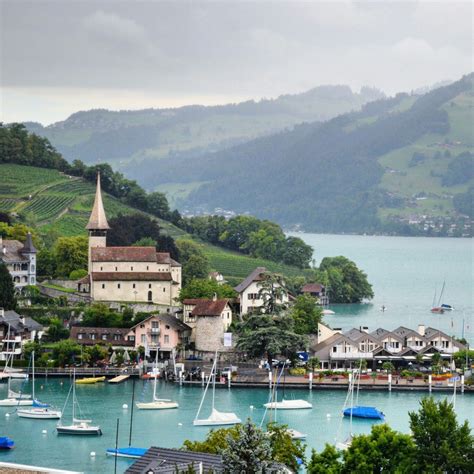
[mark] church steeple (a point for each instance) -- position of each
(98, 220)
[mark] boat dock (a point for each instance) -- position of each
(119, 379)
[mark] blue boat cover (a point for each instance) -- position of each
(364, 412)
(38, 404)
(127, 452)
(6, 442)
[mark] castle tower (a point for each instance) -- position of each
(97, 225)
(29, 251)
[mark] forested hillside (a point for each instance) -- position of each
(133, 140)
(400, 161)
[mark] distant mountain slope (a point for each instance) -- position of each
(361, 172)
(126, 138)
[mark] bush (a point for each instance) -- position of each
(77, 274)
(297, 371)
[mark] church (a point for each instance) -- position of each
(127, 274)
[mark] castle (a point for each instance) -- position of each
(127, 274)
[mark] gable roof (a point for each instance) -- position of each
(18, 323)
(312, 288)
(354, 334)
(209, 307)
(256, 275)
(165, 319)
(165, 460)
(381, 334)
(402, 331)
(12, 251)
(124, 254)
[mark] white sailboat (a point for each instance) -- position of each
(157, 403)
(217, 417)
(39, 411)
(14, 398)
(78, 426)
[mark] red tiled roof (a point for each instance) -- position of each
(85, 280)
(191, 301)
(163, 257)
(209, 308)
(124, 254)
(312, 288)
(132, 276)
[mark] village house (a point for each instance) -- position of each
(217, 277)
(88, 336)
(209, 320)
(249, 292)
(162, 333)
(16, 331)
(127, 274)
(20, 260)
(316, 290)
(402, 346)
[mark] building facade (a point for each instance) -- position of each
(127, 274)
(88, 336)
(20, 260)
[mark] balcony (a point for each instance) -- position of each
(351, 355)
(154, 331)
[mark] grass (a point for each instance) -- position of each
(176, 191)
(62, 205)
(57, 287)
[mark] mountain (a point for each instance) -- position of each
(398, 162)
(132, 140)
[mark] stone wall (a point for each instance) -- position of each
(209, 335)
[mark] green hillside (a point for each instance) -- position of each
(51, 200)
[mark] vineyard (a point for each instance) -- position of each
(45, 207)
(7, 204)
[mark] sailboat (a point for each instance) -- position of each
(130, 452)
(14, 399)
(78, 426)
(6, 443)
(41, 411)
(436, 308)
(157, 403)
(343, 445)
(287, 404)
(217, 417)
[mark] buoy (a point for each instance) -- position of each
(7, 415)
(124, 406)
(60, 383)
(180, 424)
(328, 415)
(252, 407)
(44, 431)
(41, 387)
(92, 454)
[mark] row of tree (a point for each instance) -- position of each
(255, 237)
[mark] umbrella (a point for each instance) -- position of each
(113, 358)
(126, 356)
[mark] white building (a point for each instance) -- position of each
(20, 260)
(250, 292)
(127, 274)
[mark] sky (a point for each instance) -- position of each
(61, 56)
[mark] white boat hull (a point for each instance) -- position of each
(288, 405)
(39, 414)
(157, 405)
(13, 402)
(218, 418)
(79, 429)
(296, 434)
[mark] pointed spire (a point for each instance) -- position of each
(28, 246)
(97, 220)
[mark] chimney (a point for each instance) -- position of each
(421, 329)
(214, 298)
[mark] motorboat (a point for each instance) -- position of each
(90, 380)
(296, 434)
(6, 443)
(447, 307)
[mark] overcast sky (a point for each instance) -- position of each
(58, 57)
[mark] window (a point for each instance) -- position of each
(32, 268)
(101, 268)
(334, 348)
(164, 290)
(91, 336)
(154, 338)
(32, 280)
(142, 326)
(150, 296)
(118, 286)
(143, 338)
(133, 286)
(147, 267)
(103, 286)
(116, 337)
(104, 337)
(155, 324)
(149, 285)
(253, 296)
(131, 269)
(167, 327)
(116, 269)
(167, 339)
(131, 338)
(80, 335)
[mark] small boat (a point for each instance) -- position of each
(216, 418)
(296, 434)
(437, 309)
(288, 405)
(6, 443)
(364, 412)
(133, 453)
(90, 380)
(327, 312)
(447, 307)
(78, 426)
(39, 411)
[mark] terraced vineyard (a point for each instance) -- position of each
(62, 204)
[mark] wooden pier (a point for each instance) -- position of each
(119, 379)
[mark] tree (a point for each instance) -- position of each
(56, 331)
(284, 449)
(250, 452)
(216, 442)
(267, 335)
(65, 352)
(7, 289)
(71, 253)
(271, 292)
(192, 258)
(99, 315)
(306, 314)
(145, 242)
(442, 444)
(158, 205)
(326, 462)
(205, 288)
(388, 366)
(297, 252)
(46, 263)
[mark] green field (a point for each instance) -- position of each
(61, 204)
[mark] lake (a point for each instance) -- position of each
(405, 273)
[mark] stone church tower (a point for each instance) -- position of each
(97, 225)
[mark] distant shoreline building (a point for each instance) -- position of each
(127, 274)
(20, 260)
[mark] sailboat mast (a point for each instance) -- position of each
(131, 416)
(441, 294)
(73, 395)
(33, 377)
(214, 381)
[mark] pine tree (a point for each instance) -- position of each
(250, 452)
(7, 289)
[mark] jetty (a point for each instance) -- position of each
(119, 379)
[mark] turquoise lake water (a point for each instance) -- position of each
(404, 273)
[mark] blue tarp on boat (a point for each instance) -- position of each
(38, 404)
(127, 452)
(6, 442)
(364, 412)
